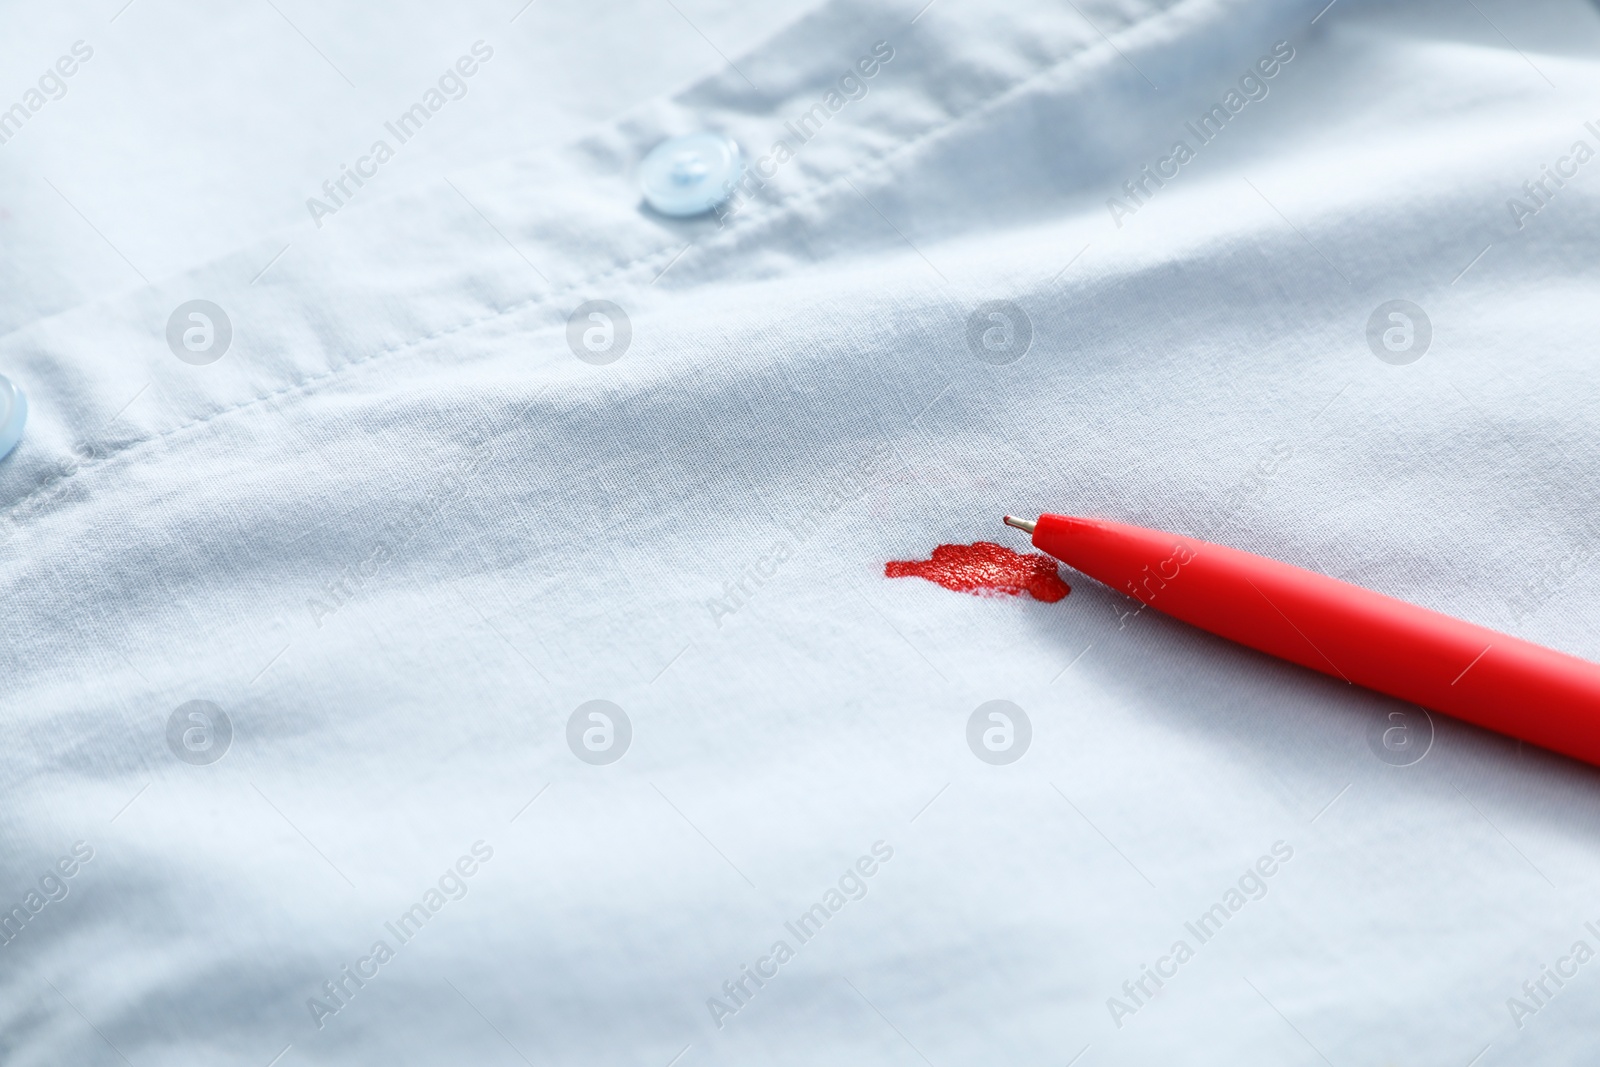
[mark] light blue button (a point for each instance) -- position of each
(13, 414)
(688, 175)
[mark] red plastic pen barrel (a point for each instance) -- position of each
(1497, 681)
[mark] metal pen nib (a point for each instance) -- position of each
(1025, 525)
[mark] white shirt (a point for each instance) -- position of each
(400, 535)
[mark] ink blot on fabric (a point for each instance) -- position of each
(985, 569)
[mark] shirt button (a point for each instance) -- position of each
(13, 413)
(688, 175)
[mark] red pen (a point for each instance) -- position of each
(1492, 679)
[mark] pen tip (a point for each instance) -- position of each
(1025, 525)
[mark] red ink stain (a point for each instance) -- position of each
(985, 569)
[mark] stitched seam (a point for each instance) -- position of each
(775, 212)
(772, 213)
(100, 459)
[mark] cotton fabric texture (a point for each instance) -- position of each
(399, 536)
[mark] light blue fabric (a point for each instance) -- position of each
(327, 643)
(13, 415)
